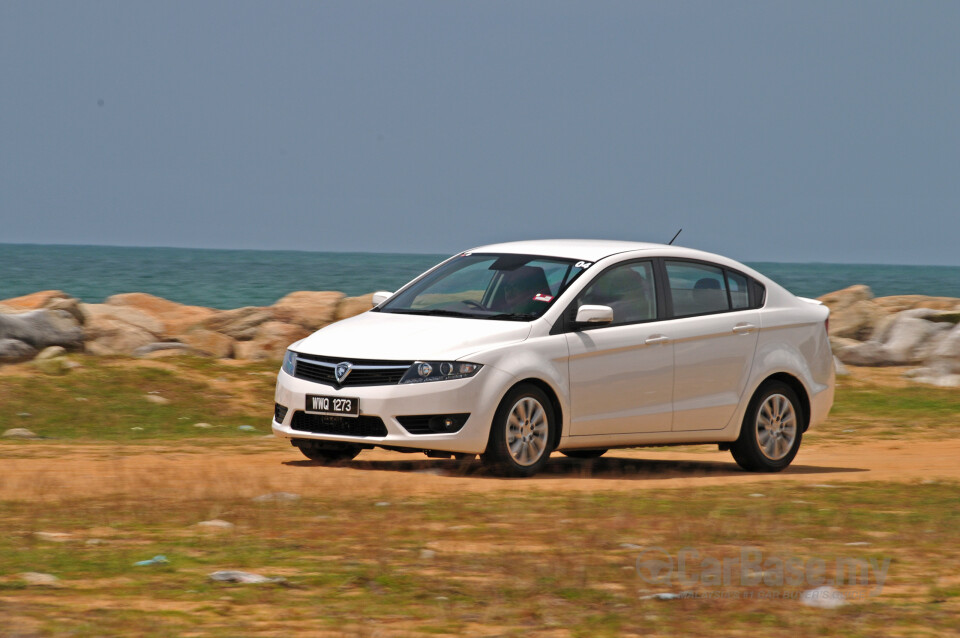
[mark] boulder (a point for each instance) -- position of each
(945, 357)
(352, 306)
(52, 352)
(240, 323)
(175, 318)
(906, 336)
(114, 337)
(49, 299)
(306, 308)
(868, 353)
(899, 303)
(42, 328)
(270, 342)
(97, 313)
(15, 351)
(209, 342)
(853, 313)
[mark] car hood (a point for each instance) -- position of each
(382, 335)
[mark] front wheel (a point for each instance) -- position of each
(520, 436)
(771, 431)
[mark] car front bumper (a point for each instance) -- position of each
(477, 396)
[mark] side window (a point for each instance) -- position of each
(696, 288)
(628, 289)
(739, 291)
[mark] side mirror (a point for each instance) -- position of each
(594, 315)
(380, 296)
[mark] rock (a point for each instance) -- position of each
(852, 312)
(661, 596)
(156, 398)
(15, 351)
(115, 337)
(209, 342)
(946, 356)
(427, 554)
(215, 524)
(246, 578)
(836, 343)
(352, 306)
(823, 598)
(307, 308)
(868, 353)
(175, 318)
(159, 559)
(899, 303)
(51, 352)
(97, 313)
(161, 346)
(246, 428)
(276, 497)
(904, 338)
(19, 433)
(839, 368)
(53, 537)
(381, 504)
(42, 328)
(271, 341)
(240, 324)
(202, 426)
(40, 579)
(35, 300)
(54, 366)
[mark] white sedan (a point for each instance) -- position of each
(515, 350)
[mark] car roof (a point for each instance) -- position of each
(586, 249)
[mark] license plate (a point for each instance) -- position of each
(340, 406)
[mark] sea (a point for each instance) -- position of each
(235, 278)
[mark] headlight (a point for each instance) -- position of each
(423, 371)
(289, 362)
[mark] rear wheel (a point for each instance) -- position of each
(520, 436)
(329, 453)
(583, 454)
(771, 431)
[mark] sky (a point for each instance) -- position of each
(769, 131)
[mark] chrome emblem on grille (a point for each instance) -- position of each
(342, 371)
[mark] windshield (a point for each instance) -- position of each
(489, 286)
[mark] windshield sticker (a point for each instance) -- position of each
(583, 264)
(542, 297)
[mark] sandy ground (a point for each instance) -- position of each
(59, 472)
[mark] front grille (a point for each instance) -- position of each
(432, 423)
(344, 426)
(279, 412)
(365, 371)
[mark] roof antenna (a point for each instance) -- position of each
(674, 237)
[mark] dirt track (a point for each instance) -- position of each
(61, 472)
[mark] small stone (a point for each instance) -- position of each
(857, 544)
(427, 553)
(51, 352)
(661, 596)
(81, 399)
(53, 537)
(382, 504)
(823, 598)
(824, 486)
(156, 398)
(24, 414)
(441, 598)
(215, 523)
(40, 579)
(630, 546)
(202, 425)
(757, 495)
(137, 428)
(233, 576)
(95, 541)
(246, 428)
(276, 497)
(19, 433)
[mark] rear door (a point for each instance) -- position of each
(714, 333)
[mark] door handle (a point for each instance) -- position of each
(655, 339)
(744, 328)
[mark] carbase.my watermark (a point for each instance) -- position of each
(751, 568)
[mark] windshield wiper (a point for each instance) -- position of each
(433, 312)
(513, 316)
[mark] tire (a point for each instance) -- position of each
(521, 435)
(330, 454)
(583, 454)
(771, 431)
